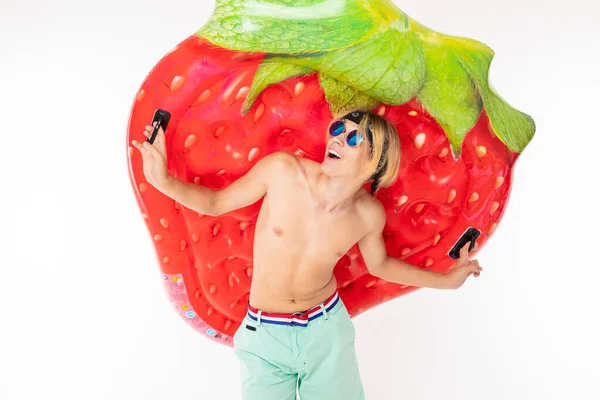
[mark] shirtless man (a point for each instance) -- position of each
(297, 334)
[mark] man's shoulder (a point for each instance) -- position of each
(278, 158)
(278, 163)
(372, 212)
(280, 167)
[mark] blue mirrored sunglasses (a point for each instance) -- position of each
(354, 138)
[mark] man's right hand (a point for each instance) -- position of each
(154, 157)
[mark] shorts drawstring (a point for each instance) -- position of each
(324, 310)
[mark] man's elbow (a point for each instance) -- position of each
(215, 204)
(378, 269)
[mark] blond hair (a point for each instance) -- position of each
(383, 162)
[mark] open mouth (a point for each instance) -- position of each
(333, 154)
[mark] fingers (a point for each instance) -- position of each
(143, 148)
(140, 146)
(471, 268)
(465, 271)
(147, 150)
(148, 131)
(159, 140)
(464, 252)
(474, 268)
(152, 150)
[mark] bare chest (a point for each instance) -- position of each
(291, 222)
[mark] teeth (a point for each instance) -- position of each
(335, 153)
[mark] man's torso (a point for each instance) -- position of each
(297, 244)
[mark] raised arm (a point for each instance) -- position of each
(246, 190)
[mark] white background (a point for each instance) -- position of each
(83, 314)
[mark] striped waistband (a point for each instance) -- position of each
(295, 319)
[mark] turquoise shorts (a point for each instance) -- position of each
(312, 352)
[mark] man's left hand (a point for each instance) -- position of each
(463, 269)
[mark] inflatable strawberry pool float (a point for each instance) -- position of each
(267, 75)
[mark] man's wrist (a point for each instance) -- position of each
(443, 280)
(166, 186)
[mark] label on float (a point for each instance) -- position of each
(177, 293)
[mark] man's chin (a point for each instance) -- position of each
(331, 170)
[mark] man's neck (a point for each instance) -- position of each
(336, 194)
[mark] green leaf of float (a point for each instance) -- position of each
(389, 67)
(269, 73)
(342, 97)
(513, 127)
(289, 26)
(449, 95)
(378, 53)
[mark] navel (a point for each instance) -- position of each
(278, 231)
